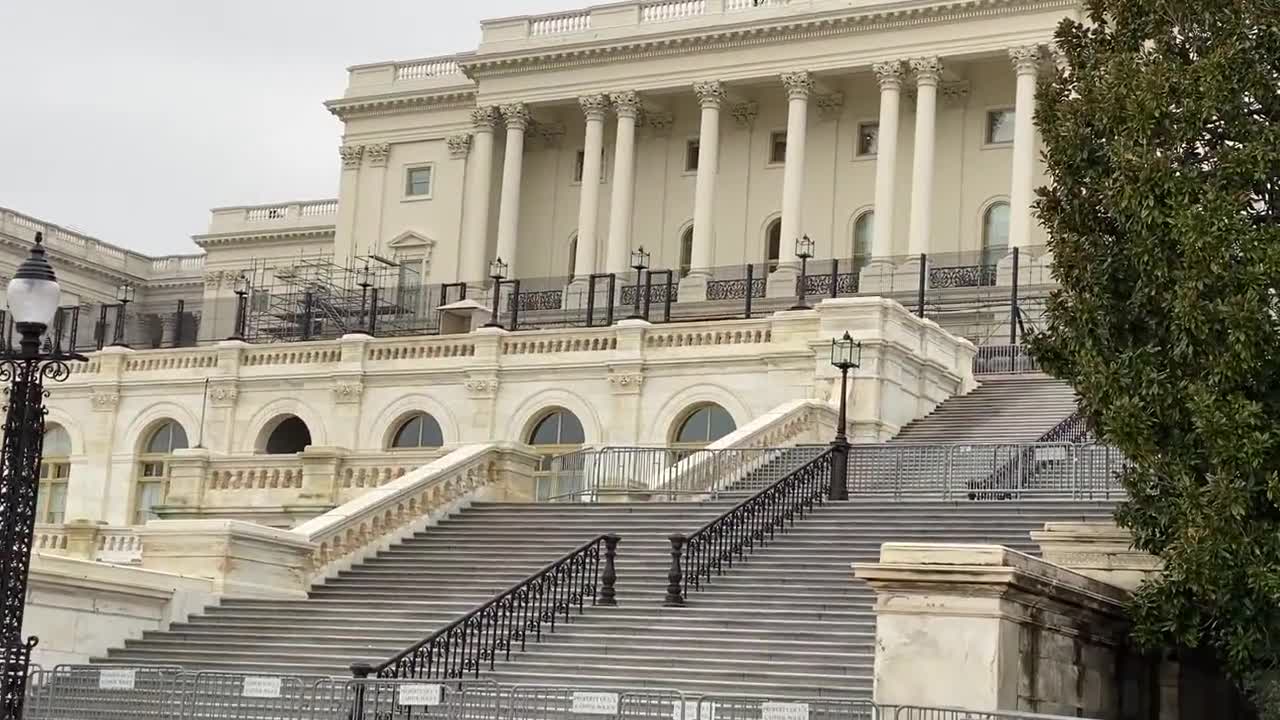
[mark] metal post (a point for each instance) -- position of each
(497, 298)
(242, 307)
(117, 337)
(648, 293)
(666, 299)
(515, 305)
(746, 313)
(177, 325)
(306, 315)
(635, 310)
(373, 311)
(613, 284)
(75, 326)
(924, 276)
(675, 576)
(802, 289)
(101, 335)
(839, 488)
(1013, 302)
(608, 592)
(591, 300)
(835, 276)
(58, 321)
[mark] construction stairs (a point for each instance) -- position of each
(790, 621)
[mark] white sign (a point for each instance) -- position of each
(261, 687)
(691, 710)
(414, 695)
(784, 711)
(595, 703)
(117, 679)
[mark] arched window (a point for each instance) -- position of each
(686, 251)
(703, 425)
(290, 435)
(153, 469)
(55, 472)
(557, 432)
(418, 431)
(995, 233)
(573, 255)
(773, 244)
(863, 229)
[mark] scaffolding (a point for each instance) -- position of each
(315, 298)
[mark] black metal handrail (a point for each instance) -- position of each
(1020, 468)
(738, 531)
(1073, 429)
(474, 640)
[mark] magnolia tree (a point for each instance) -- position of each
(1162, 140)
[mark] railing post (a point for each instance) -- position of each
(608, 594)
(675, 576)
(177, 327)
(835, 275)
(591, 299)
(1013, 303)
(924, 276)
(746, 313)
(515, 304)
(359, 671)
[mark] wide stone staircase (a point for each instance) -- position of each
(1012, 409)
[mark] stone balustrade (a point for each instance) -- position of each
(88, 541)
(257, 218)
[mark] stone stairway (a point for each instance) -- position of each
(1014, 409)
(402, 595)
(790, 621)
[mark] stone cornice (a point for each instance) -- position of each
(401, 102)
(745, 34)
(281, 235)
(61, 259)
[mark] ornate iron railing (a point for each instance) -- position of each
(735, 289)
(819, 284)
(750, 523)
(962, 276)
(1073, 429)
(658, 294)
(536, 300)
(508, 621)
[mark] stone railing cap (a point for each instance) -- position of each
(238, 528)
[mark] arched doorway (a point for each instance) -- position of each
(152, 484)
(290, 435)
(773, 244)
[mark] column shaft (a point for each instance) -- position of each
(593, 106)
(1026, 64)
(710, 97)
(517, 117)
(927, 71)
(890, 74)
(625, 105)
(799, 85)
(475, 200)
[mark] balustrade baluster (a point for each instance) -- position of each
(675, 576)
(608, 595)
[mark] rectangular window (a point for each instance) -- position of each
(151, 493)
(417, 181)
(1000, 127)
(868, 138)
(778, 147)
(53, 492)
(580, 162)
(691, 150)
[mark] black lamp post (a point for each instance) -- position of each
(124, 295)
(845, 355)
(242, 305)
(497, 273)
(639, 262)
(33, 301)
(364, 278)
(804, 251)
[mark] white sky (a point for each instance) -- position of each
(129, 119)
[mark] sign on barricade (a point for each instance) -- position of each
(233, 696)
(76, 692)
(529, 702)
(379, 699)
(731, 707)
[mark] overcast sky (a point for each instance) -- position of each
(129, 119)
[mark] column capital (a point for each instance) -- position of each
(377, 153)
(710, 94)
(516, 115)
(483, 119)
(799, 84)
(626, 103)
(459, 145)
(351, 155)
(928, 70)
(1026, 59)
(889, 74)
(595, 106)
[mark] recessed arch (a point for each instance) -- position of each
(701, 424)
(260, 424)
(417, 430)
(863, 225)
(773, 243)
(285, 435)
(556, 426)
(378, 434)
(684, 248)
(528, 412)
(680, 402)
(993, 230)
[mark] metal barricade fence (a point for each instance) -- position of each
(927, 713)
(81, 692)
(736, 707)
(537, 702)
(382, 699)
(234, 696)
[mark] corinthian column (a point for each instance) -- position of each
(517, 117)
(890, 76)
(710, 98)
(928, 70)
(1026, 63)
(594, 108)
(626, 105)
(475, 200)
(799, 86)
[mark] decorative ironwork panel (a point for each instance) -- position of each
(962, 276)
(734, 289)
(657, 294)
(818, 285)
(537, 300)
